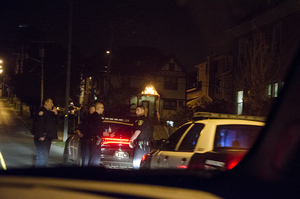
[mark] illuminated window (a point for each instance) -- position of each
(170, 123)
(269, 91)
(240, 95)
(275, 90)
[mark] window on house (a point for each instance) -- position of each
(219, 87)
(181, 103)
(269, 90)
(171, 83)
(242, 50)
(171, 66)
(170, 104)
(277, 36)
(240, 95)
(199, 85)
(220, 65)
(275, 90)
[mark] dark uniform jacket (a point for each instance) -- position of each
(84, 127)
(44, 125)
(144, 125)
(95, 125)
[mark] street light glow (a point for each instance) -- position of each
(1, 71)
(1, 61)
(107, 52)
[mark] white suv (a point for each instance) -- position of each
(206, 144)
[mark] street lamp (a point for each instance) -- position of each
(1, 68)
(2, 80)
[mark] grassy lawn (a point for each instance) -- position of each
(59, 143)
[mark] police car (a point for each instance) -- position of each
(212, 142)
(115, 151)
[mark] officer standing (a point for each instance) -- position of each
(44, 131)
(96, 133)
(142, 136)
(84, 132)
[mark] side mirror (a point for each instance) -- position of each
(161, 143)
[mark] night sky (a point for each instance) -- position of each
(191, 29)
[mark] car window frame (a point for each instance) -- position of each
(188, 125)
(190, 131)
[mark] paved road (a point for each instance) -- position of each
(16, 141)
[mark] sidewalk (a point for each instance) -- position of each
(25, 117)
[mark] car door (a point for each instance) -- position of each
(179, 159)
(74, 145)
(160, 157)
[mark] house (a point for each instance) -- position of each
(214, 80)
(274, 25)
(148, 78)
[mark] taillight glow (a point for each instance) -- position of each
(106, 140)
(143, 158)
(182, 167)
(232, 164)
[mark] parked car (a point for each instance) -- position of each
(206, 144)
(115, 151)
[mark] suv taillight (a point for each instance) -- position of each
(109, 140)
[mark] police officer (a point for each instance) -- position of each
(96, 133)
(142, 136)
(84, 132)
(44, 131)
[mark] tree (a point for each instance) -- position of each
(215, 106)
(259, 68)
(186, 113)
(116, 101)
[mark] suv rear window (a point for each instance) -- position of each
(236, 136)
(121, 130)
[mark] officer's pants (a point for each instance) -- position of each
(42, 149)
(90, 152)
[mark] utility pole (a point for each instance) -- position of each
(112, 29)
(65, 135)
(42, 56)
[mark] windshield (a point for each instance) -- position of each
(66, 65)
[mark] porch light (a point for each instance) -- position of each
(150, 90)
